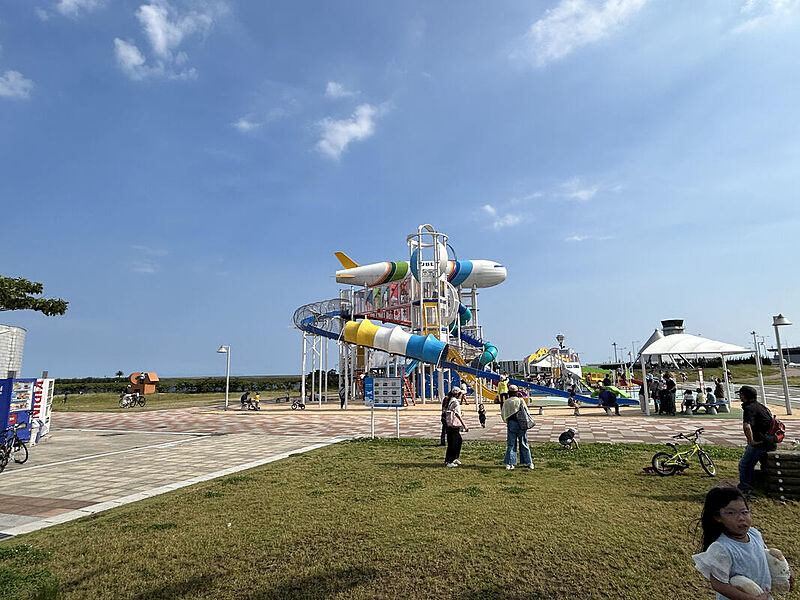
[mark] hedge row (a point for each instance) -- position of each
(194, 385)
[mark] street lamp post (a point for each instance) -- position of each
(758, 368)
(778, 321)
(615, 352)
(224, 349)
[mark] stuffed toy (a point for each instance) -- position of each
(746, 585)
(778, 570)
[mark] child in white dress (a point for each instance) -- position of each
(731, 546)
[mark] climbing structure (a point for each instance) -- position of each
(417, 319)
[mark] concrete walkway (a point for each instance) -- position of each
(80, 472)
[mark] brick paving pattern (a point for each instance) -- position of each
(417, 422)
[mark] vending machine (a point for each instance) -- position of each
(28, 402)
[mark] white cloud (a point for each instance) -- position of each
(165, 29)
(571, 25)
(165, 34)
(583, 238)
(72, 8)
(338, 134)
(131, 60)
(41, 13)
(147, 261)
(14, 85)
(761, 12)
(337, 90)
(575, 190)
(244, 125)
(499, 220)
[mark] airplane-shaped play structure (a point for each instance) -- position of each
(417, 319)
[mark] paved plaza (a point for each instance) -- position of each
(418, 422)
(96, 461)
(80, 472)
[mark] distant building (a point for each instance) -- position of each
(792, 354)
(12, 344)
(513, 367)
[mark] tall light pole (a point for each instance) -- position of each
(224, 349)
(758, 368)
(615, 351)
(778, 321)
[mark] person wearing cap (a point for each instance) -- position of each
(756, 421)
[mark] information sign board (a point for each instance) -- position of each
(383, 391)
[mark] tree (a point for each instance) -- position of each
(18, 294)
(119, 374)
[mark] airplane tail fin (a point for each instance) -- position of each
(347, 262)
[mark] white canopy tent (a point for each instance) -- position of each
(684, 343)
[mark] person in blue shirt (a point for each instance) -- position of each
(608, 400)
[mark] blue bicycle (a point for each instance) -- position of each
(11, 447)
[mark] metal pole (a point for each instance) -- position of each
(322, 373)
(758, 368)
(303, 370)
(227, 376)
(783, 372)
(615, 351)
(646, 389)
(346, 373)
(372, 421)
(727, 381)
(397, 420)
(313, 366)
(326, 370)
(422, 382)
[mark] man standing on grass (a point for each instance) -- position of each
(756, 421)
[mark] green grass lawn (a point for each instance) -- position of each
(110, 402)
(385, 519)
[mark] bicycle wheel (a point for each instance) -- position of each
(3, 459)
(707, 464)
(142, 400)
(122, 403)
(19, 452)
(659, 458)
(294, 406)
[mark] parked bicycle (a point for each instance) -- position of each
(131, 400)
(11, 447)
(669, 463)
(298, 404)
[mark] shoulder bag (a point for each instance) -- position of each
(523, 418)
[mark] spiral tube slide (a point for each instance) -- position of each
(394, 341)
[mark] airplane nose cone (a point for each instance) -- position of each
(496, 274)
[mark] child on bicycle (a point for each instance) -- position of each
(731, 546)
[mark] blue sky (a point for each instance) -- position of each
(182, 171)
